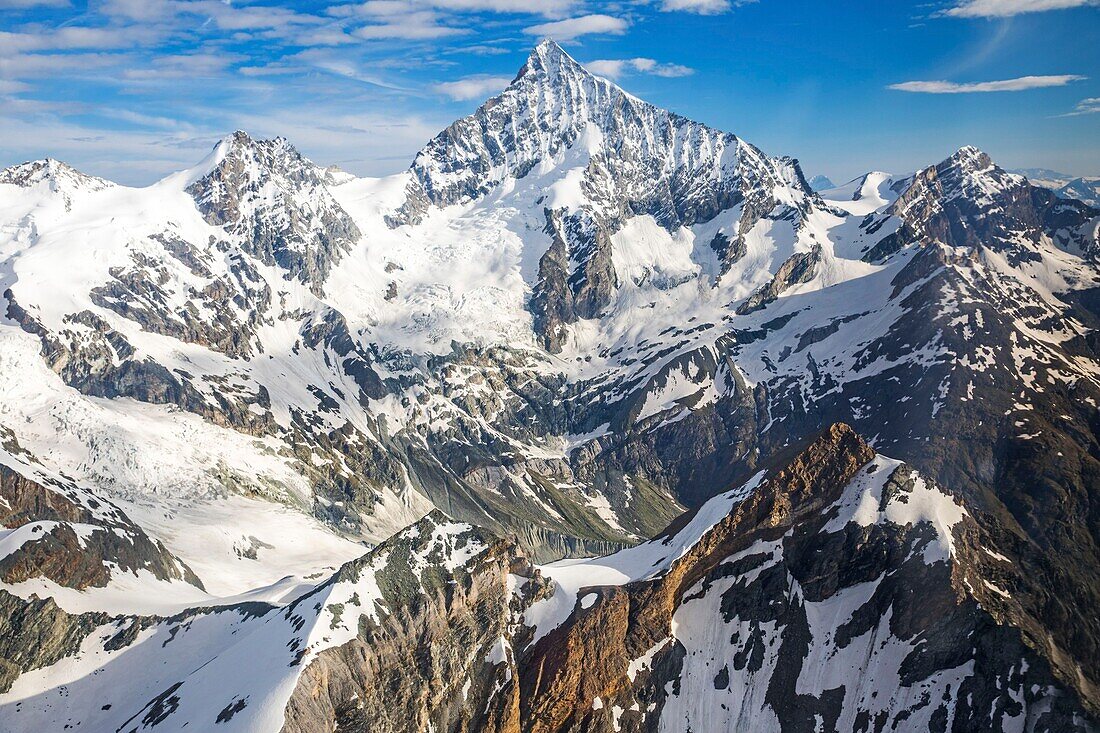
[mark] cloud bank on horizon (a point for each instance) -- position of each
(143, 87)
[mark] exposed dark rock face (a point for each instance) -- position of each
(839, 591)
(76, 545)
(99, 361)
(565, 294)
(139, 294)
(924, 603)
(410, 671)
(968, 201)
(36, 633)
(277, 202)
(799, 268)
(769, 565)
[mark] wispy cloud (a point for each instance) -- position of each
(534, 7)
(1020, 84)
(478, 49)
(10, 86)
(396, 19)
(702, 7)
(184, 66)
(1008, 8)
(571, 28)
(74, 38)
(411, 26)
(25, 4)
(615, 68)
(1089, 106)
(29, 66)
(472, 87)
(339, 65)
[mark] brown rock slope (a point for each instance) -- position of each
(844, 593)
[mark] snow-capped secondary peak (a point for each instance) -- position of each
(972, 173)
(277, 201)
(971, 157)
(967, 200)
(241, 156)
(54, 174)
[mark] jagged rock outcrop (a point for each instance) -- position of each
(839, 575)
(799, 268)
(969, 201)
(36, 634)
(837, 590)
(451, 630)
(72, 543)
(566, 293)
(278, 205)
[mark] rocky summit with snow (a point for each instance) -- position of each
(594, 419)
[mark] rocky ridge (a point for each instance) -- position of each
(767, 607)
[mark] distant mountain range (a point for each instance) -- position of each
(286, 449)
(1081, 188)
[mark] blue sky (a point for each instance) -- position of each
(134, 89)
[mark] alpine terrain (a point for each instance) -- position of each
(595, 418)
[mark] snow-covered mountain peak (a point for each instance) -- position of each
(967, 200)
(551, 70)
(614, 154)
(52, 174)
(276, 201)
(971, 157)
(240, 159)
(548, 56)
(968, 174)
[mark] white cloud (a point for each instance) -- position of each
(143, 10)
(10, 86)
(473, 87)
(1006, 85)
(393, 19)
(327, 36)
(550, 8)
(1008, 8)
(702, 7)
(478, 49)
(611, 68)
(222, 15)
(410, 30)
(1088, 106)
(143, 120)
(614, 68)
(71, 38)
(23, 4)
(570, 28)
(184, 66)
(535, 7)
(22, 66)
(339, 65)
(372, 7)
